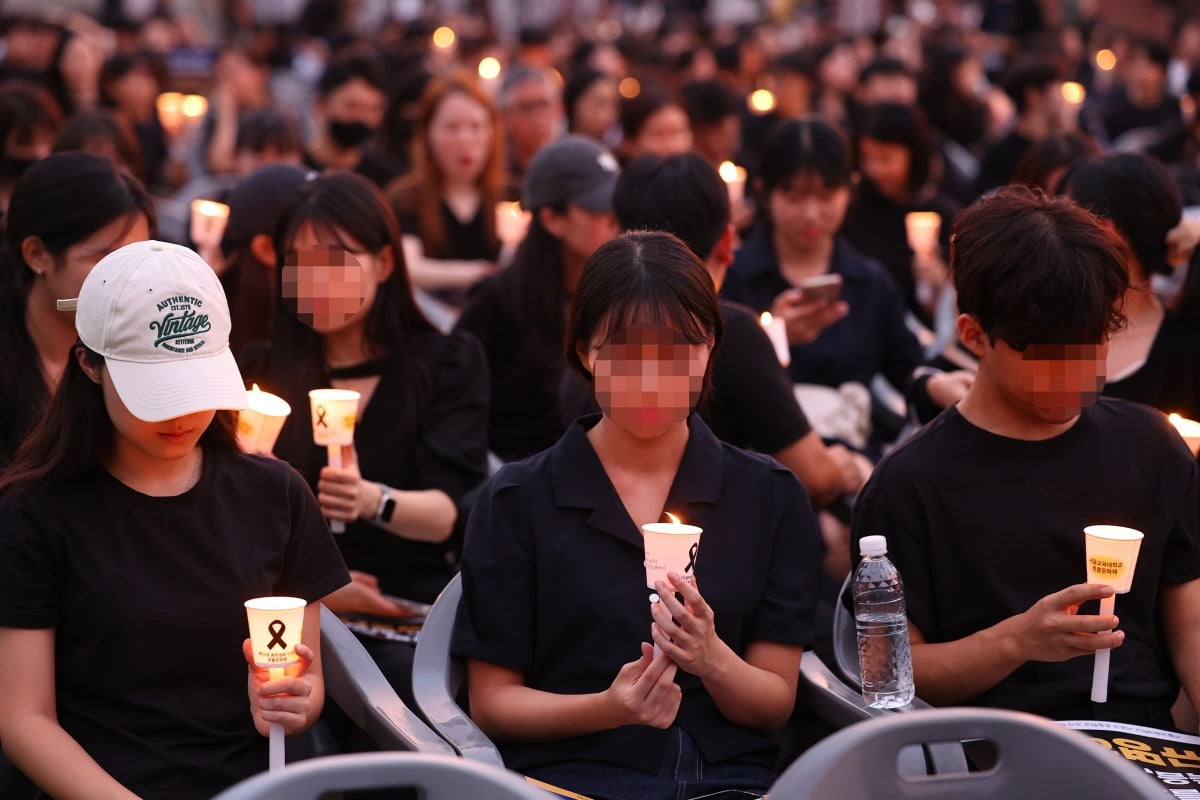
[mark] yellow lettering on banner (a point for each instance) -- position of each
(1188, 759)
(1105, 743)
(1135, 750)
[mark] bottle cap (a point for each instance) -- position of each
(871, 546)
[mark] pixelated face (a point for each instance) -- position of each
(327, 286)
(647, 377)
(1052, 382)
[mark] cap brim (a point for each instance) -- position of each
(599, 198)
(163, 390)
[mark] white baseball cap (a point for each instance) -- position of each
(157, 314)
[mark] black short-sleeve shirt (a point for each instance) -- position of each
(425, 428)
(554, 585)
(982, 526)
(145, 596)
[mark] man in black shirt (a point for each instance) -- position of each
(984, 508)
(349, 109)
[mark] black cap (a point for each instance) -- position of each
(574, 171)
(258, 199)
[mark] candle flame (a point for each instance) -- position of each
(728, 171)
(489, 68)
(762, 101)
(210, 208)
(629, 88)
(1074, 93)
(254, 388)
(194, 105)
(674, 519)
(766, 319)
(1106, 60)
(443, 37)
(1175, 419)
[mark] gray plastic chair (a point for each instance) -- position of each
(354, 682)
(438, 677)
(437, 777)
(1036, 759)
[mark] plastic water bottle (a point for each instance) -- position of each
(883, 653)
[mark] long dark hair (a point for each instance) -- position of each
(533, 285)
(76, 432)
(897, 123)
(339, 205)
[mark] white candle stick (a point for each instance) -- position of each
(277, 757)
(1100, 670)
(776, 329)
(335, 461)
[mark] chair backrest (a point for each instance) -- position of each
(355, 683)
(845, 637)
(1036, 758)
(437, 777)
(438, 677)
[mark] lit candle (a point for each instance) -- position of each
(193, 107)
(489, 68)
(276, 627)
(260, 422)
(170, 112)
(1189, 429)
(776, 330)
(735, 181)
(444, 38)
(762, 101)
(512, 222)
(209, 219)
(334, 414)
(1111, 552)
(670, 547)
(922, 228)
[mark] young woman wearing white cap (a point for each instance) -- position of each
(131, 533)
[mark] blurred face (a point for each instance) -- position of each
(596, 109)
(331, 285)
(1047, 383)
(885, 164)
(135, 93)
(1144, 77)
(534, 115)
(581, 231)
(885, 88)
(806, 213)
(355, 101)
(665, 133)
(460, 138)
(647, 378)
(168, 440)
(839, 69)
(65, 273)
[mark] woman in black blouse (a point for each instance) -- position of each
(348, 320)
(579, 679)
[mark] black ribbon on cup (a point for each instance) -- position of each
(321, 423)
(276, 629)
(691, 565)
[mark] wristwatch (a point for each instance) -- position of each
(387, 504)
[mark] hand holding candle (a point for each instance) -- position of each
(276, 627)
(1112, 553)
(334, 414)
(512, 222)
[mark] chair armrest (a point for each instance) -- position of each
(353, 680)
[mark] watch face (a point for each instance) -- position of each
(389, 507)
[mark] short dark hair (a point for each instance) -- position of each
(1038, 269)
(347, 68)
(119, 65)
(636, 110)
(710, 102)
(1029, 73)
(645, 276)
(1048, 155)
(269, 127)
(682, 195)
(885, 66)
(1138, 194)
(809, 144)
(897, 123)
(1152, 49)
(577, 86)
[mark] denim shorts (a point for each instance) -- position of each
(683, 774)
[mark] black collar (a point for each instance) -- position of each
(579, 479)
(759, 256)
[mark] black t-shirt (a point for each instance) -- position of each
(465, 239)
(554, 585)
(25, 393)
(375, 168)
(1160, 127)
(526, 367)
(751, 405)
(425, 428)
(982, 526)
(1169, 380)
(145, 595)
(873, 338)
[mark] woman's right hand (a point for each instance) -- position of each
(644, 691)
(362, 596)
(806, 319)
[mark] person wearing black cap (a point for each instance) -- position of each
(249, 274)
(518, 314)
